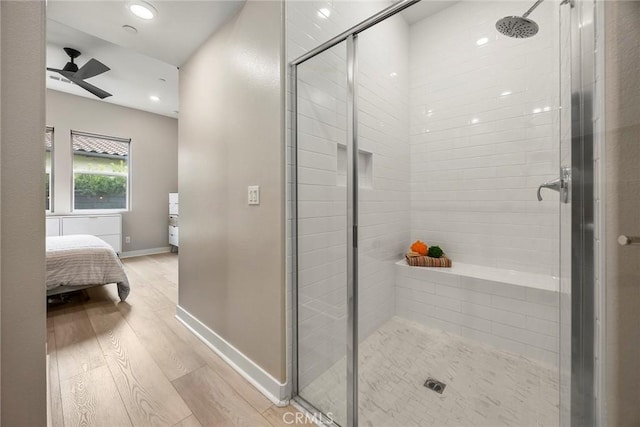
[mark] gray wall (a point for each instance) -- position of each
(22, 331)
(232, 255)
(154, 161)
(622, 181)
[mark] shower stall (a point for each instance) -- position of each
(465, 126)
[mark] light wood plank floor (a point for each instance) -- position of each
(122, 364)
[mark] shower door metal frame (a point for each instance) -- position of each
(583, 402)
(352, 230)
(582, 28)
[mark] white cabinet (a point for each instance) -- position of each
(173, 235)
(97, 225)
(107, 227)
(174, 213)
(53, 226)
(174, 204)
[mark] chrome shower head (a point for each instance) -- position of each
(519, 27)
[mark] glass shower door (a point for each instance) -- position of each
(321, 238)
(457, 128)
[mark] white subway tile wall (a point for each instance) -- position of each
(384, 208)
(509, 316)
(322, 209)
(484, 136)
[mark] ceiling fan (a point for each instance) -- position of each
(78, 76)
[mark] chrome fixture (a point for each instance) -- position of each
(561, 185)
(628, 241)
(519, 27)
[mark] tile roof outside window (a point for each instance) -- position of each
(92, 144)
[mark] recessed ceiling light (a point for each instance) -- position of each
(154, 98)
(482, 41)
(143, 10)
(324, 13)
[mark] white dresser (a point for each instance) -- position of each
(174, 213)
(108, 227)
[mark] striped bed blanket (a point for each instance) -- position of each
(82, 261)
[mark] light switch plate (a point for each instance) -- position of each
(253, 194)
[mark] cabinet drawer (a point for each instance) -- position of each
(53, 226)
(174, 233)
(96, 225)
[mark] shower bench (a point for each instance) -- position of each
(510, 310)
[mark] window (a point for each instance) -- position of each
(48, 183)
(100, 172)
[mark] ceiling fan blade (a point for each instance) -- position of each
(53, 69)
(102, 94)
(91, 69)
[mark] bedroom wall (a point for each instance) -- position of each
(154, 161)
(23, 330)
(232, 276)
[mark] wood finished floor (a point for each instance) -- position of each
(133, 364)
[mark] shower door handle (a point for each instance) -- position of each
(628, 240)
(554, 185)
(561, 185)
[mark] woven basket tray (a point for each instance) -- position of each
(427, 261)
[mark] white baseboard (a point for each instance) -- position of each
(143, 252)
(258, 377)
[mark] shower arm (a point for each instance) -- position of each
(536, 4)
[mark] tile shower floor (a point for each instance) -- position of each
(485, 386)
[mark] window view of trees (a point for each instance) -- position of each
(100, 191)
(101, 172)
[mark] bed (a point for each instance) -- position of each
(80, 262)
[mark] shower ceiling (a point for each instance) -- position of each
(424, 8)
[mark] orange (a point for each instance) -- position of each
(419, 247)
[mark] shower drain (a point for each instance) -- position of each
(435, 385)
